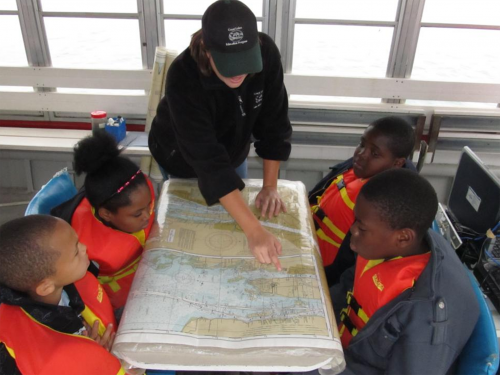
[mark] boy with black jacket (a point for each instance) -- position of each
(408, 306)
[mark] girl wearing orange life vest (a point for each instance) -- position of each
(112, 215)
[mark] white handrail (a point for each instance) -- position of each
(390, 88)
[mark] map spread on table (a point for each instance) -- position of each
(199, 289)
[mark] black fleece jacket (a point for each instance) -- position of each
(204, 129)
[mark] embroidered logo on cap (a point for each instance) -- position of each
(235, 36)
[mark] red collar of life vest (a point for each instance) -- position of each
(377, 282)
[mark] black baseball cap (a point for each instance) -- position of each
(229, 30)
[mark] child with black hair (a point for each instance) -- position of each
(386, 143)
(44, 316)
(407, 307)
(112, 214)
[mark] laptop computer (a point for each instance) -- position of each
(474, 207)
(474, 199)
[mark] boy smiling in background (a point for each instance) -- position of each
(385, 144)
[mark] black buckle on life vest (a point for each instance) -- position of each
(341, 184)
(320, 213)
(355, 305)
(347, 322)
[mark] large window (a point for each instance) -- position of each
(93, 34)
(440, 40)
(11, 39)
(346, 38)
(343, 38)
(459, 41)
(11, 42)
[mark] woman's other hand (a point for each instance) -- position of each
(269, 202)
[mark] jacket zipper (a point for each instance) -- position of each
(243, 114)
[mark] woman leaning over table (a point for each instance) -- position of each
(224, 89)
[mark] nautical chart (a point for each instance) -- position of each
(199, 287)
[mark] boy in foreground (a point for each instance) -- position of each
(407, 307)
(55, 318)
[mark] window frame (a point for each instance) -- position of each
(278, 20)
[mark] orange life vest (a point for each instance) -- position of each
(117, 253)
(97, 303)
(39, 349)
(333, 214)
(377, 282)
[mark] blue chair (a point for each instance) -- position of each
(480, 354)
(59, 189)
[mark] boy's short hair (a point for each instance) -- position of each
(24, 257)
(403, 199)
(400, 133)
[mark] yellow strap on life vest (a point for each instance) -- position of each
(362, 315)
(359, 311)
(322, 235)
(342, 329)
(343, 192)
(141, 236)
(371, 263)
(375, 262)
(325, 220)
(9, 350)
(348, 298)
(89, 316)
(112, 281)
(354, 332)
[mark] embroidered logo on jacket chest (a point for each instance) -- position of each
(258, 97)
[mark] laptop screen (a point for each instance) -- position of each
(475, 195)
